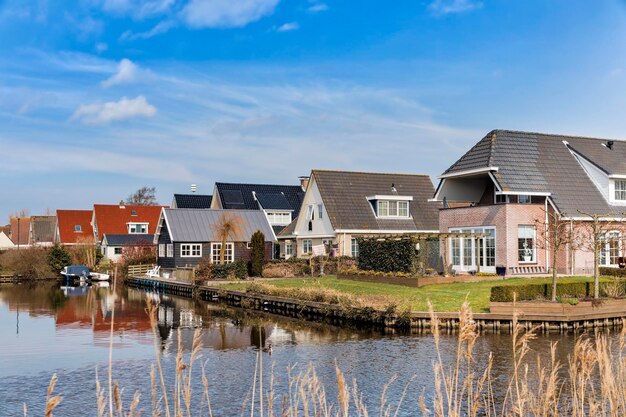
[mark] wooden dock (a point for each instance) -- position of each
(367, 316)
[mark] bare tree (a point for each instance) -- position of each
(227, 226)
(555, 234)
(19, 214)
(145, 196)
(594, 241)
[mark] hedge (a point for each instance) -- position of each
(529, 292)
(388, 255)
(237, 269)
(613, 272)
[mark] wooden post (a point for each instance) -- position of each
(446, 273)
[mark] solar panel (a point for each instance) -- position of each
(233, 198)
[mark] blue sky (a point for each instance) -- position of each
(100, 97)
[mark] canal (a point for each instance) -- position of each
(48, 328)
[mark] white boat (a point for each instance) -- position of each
(76, 272)
(96, 276)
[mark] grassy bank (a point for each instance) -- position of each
(444, 297)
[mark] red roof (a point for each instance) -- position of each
(68, 220)
(114, 219)
(20, 225)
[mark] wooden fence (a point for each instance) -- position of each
(139, 270)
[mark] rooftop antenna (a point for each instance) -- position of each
(393, 187)
(609, 144)
(194, 188)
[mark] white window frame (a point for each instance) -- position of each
(279, 218)
(229, 254)
(534, 248)
(462, 242)
(131, 225)
(354, 248)
(288, 249)
(191, 250)
(605, 250)
(309, 212)
(390, 209)
(169, 248)
(621, 190)
(78, 228)
(500, 196)
(529, 201)
(320, 211)
(161, 250)
(310, 246)
(115, 249)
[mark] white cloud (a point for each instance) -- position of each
(161, 27)
(226, 13)
(320, 7)
(114, 110)
(138, 9)
(126, 73)
(443, 7)
(101, 47)
(288, 27)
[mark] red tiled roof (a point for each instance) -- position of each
(20, 225)
(114, 219)
(67, 222)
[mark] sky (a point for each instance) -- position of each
(101, 97)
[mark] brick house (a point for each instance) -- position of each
(510, 183)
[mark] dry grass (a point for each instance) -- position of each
(591, 383)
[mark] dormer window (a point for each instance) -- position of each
(392, 208)
(133, 212)
(620, 190)
(137, 228)
(78, 228)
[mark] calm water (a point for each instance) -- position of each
(47, 328)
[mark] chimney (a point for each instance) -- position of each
(609, 144)
(194, 188)
(304, 182)
(122, 206)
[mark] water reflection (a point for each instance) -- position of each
(49, 328)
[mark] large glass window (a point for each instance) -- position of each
(465, 252)
(229, 253)
(524, 199)
(288, 249)
(620, 190)
(526, 244)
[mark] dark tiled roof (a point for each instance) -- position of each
(43, 228)
(344, 195)
(241, 196)
(129, 240)
(540, 162)
(195, 201)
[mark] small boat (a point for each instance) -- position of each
(96, 276)
(79, 272)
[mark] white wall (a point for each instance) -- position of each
(322, 228)
(5, 242)
(109, 253)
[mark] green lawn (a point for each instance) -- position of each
(444, 297)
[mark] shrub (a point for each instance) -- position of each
(258, 254)
(58, 258)
(237, 269)
(388, 255)
(299, 267)
(504, 293)
(613, 272)
(30, 263)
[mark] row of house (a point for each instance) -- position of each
(503, 191)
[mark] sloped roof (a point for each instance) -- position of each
(20, 225)
(194, 225)
(43, 228)
(195, 201)
(128, 240)
(289, 229)
(538, 162)
(67, 220)
(242, 196)
(114, 219)
(345, 199)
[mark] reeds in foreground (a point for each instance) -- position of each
(591, 383)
